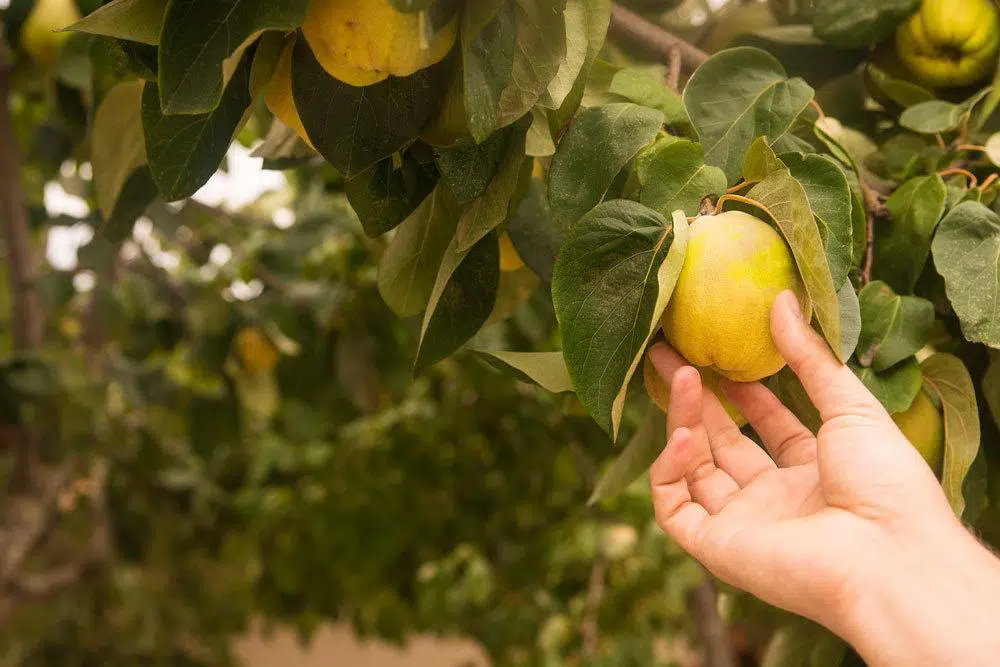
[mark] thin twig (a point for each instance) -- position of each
(712, 631)
(653, 39)
(674, 69)
(874, 209)
(744, 200)
(974, 148)
(590, 629)
(973, 181)
(988, 182)
(817, 108)
(940, 141)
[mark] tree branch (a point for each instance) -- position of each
(712, 631)
(26, 313)
(652, 39)
(874, 210)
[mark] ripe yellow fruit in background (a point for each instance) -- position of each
(363, 42)
(658, 392)
(256, 351)
(38, 36)
(719, 315)
(279, 97)
(950, 43)
(923, 426)
(510, 260)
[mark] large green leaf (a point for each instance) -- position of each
(486, 212)
(355, 127)
(967, 255)
(675, 177)
(787, 203)
(611, 283)
(534, 232)
(893, 327)
(468, 167)
(640, 453)
(488, 39)
(637, 86)
(577, 16)
(539, 52)
(118, 147)
(858, 24)
(903, 241)
(932, 116)
(787, 387)
(409, 266)
(829, 197)
(184, 151)
(947, 378)
(197, 37)
(597, 145)
(386, 193)
(132, 20)
(461, 300)
(735, 97)
(896, 387)
(546, 369)
(850, 319)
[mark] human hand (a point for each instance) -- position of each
(849, 527)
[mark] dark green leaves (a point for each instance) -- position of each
(948, 380)
(132, 20)
(197, 37)
(637, 86)
(384, 194)
(352, 127)
(893, 327)
(894, 388)
(903, 241)
(610, 285)
(676, 177)
(488, 35)
(932, 116)
(737, 96)
(597, 145)
(539, 51)
(640, 452)
(468, 167)
(967, 255)
(184, 151)
(856, 24)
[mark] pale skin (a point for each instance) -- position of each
(849, 528)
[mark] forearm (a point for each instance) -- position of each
(935, 604)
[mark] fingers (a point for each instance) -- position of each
(731, 451)
(833, 388)
(676, 512)
(710, 486)
(789, 442)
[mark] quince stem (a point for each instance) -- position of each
(745, 200)
(973, 181)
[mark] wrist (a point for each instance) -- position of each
(930, 601)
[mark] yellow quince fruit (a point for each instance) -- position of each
(510, 260)
(719, 315)
(923, 426)
(38, 34)
(950, 43)
(658, 392)
(255, 350)
(279, 98)
(363, 42)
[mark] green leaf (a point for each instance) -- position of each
(830, 200)
(577, 16)
(488, 37)
(846, 144)
(409, 266)
(184, 151)
(461, 300)
(534, 233)
(676, 177)
(385, 194)
(859, 230)
(486, 212)
(850, 319)
(966, 252)
(539, 52)
(858, 24)
(132, 20)
(900, 91)
(903, 241)
(932, 116)
(946, 378)
(594, 149)
(611, 283)
(546, 369)
(636, 86)
(789, 390)
(468, 167)
(197, 38)
(760, 161)
(896, 387)
(735, 97)
(640, 453)
(893, 327)
(991, 386)
(787, 203)
(372, 122)
(118, 147)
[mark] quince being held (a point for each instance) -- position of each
(363, 42)
(923, 426)
(719, 315)
(950, 43)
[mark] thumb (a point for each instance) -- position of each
(831, 385)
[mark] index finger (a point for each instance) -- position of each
(833, 388)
